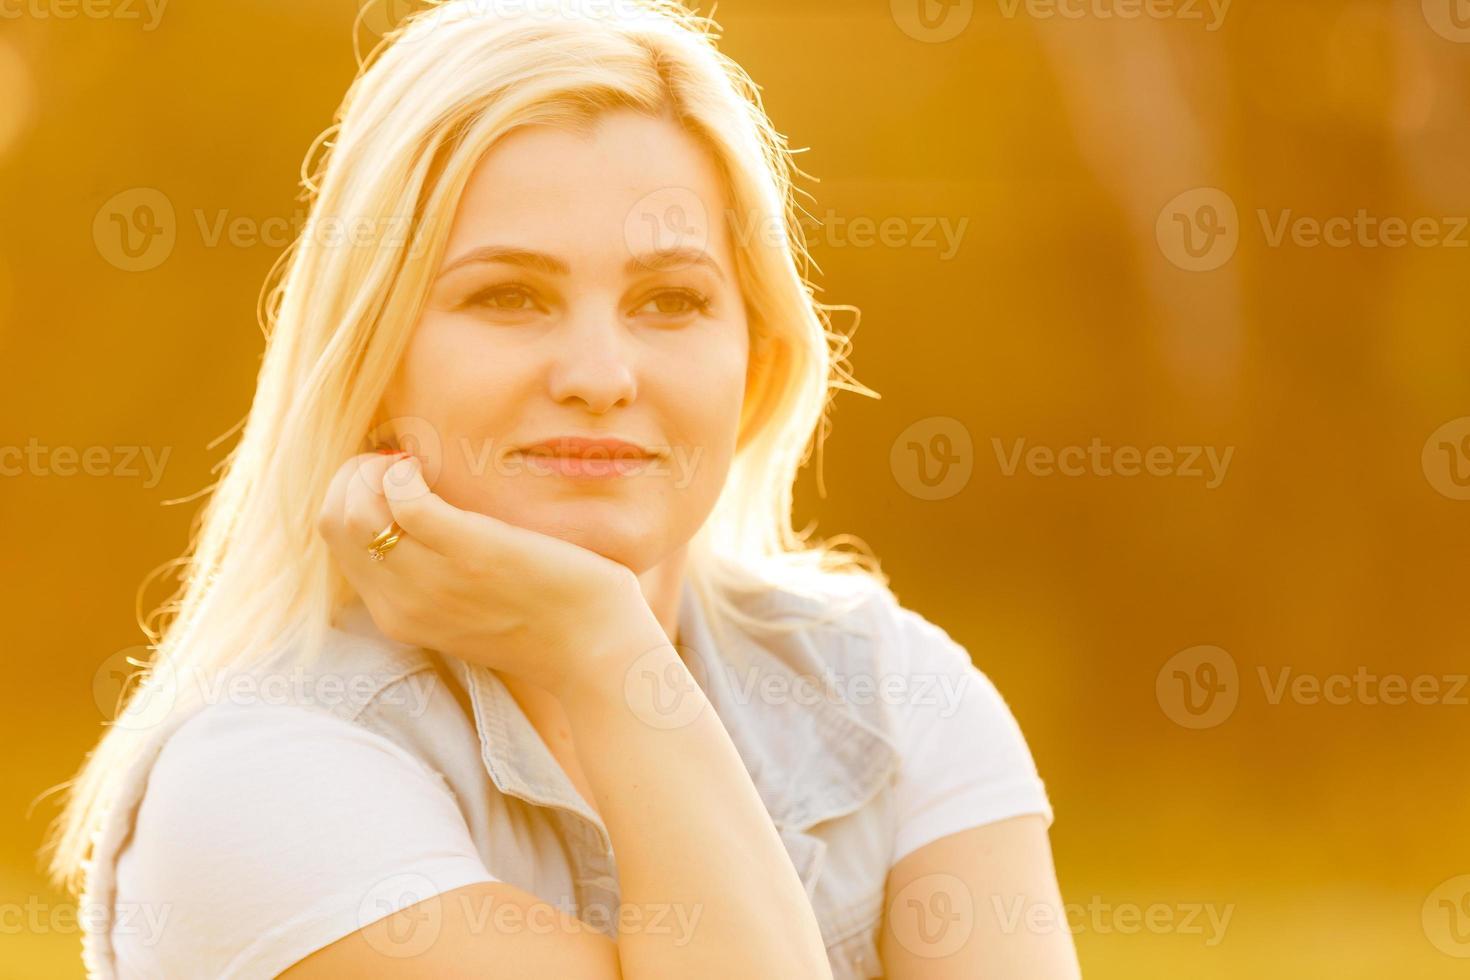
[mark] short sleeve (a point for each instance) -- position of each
(269, 831)
(965, 762)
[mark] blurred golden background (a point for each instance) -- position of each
(1167, 304)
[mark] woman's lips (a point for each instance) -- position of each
(593, 467)
(581, 457)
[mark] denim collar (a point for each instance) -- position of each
(811, 756)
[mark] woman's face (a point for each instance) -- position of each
(587, 291)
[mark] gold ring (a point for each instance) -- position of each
(383, 542)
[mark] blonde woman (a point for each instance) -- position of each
(497, 654)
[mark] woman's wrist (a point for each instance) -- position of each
(627, 642)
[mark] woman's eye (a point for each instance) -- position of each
(511, 298)
(677, 302)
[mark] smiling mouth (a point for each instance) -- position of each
(545, 461)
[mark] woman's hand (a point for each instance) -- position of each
(545, 610)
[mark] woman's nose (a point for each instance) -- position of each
(592, 364)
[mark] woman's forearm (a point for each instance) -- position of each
(688, 830)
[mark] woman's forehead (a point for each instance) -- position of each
(632, 185)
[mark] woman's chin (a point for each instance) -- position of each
(604, 527)
(613, 547)
(622, 545)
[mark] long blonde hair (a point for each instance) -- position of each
(338, 309)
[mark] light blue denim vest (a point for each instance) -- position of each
(824, 766)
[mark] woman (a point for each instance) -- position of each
(550, 687)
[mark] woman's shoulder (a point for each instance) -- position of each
(860, 605)
(231, 763)
(887, 653)
(251, 836)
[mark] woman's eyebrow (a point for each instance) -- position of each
(677, 257)
(655, 260)
(509, 255)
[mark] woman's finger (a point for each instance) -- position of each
(348, 503)
(445, 528)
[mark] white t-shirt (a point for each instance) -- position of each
(265, 825)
